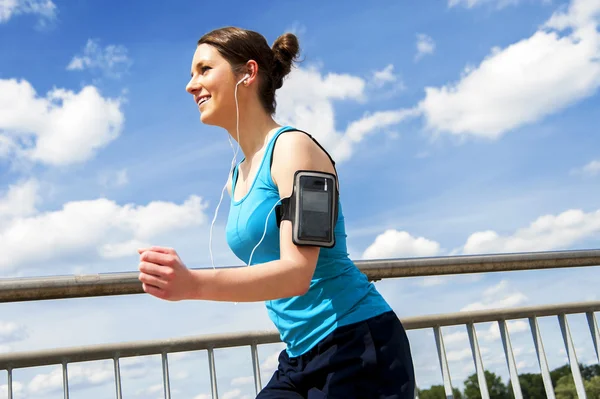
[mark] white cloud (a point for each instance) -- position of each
(117, 178)
(17, 388)
(202, 396)
(590, 169)
(233, 394)
(306, 101)
(93, 228)
(581, 14)
(524, 82)
(548, 232)
(6, 348)
(460, 338)
(501, 295)
(60, 129)
(475, 3)
(156, 388)
(45, 9)
(112, 60)
(242, 381)
(425, 46)
(395, 244)
(458, 355)
(19, 200)
(271, 362)
(11, 331)
(386, 75)
(432, 281)
(79, 376)
(369, 123)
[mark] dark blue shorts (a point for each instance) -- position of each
(366, 360)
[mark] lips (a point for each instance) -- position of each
(203, 99)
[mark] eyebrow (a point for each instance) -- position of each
(198, 65)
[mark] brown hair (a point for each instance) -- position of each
(238, 46)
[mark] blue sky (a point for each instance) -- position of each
(467, 126)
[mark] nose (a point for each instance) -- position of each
(193, 87)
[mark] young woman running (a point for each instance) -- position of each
(342, 338)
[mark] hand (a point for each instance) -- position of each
(164, 275)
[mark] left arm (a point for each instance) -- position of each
(165, 276)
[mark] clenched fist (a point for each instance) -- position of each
(164, 275)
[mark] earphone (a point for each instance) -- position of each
(244, 78)
(233, 162)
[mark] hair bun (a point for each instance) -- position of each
(285, 51)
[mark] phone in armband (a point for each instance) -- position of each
(312, 208)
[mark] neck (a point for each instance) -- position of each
(254, 127)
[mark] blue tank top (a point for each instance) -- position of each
(339, 293)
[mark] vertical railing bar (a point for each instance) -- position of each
(118, 377)
(256, 368)
(10, 384)
(439, 341)
(570, 348)
(166, 382)
(510, 359)
(65, 380)
(213, 374)
(541, 355)
(477, 360)
(591, 318)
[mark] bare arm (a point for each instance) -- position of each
(288, 276)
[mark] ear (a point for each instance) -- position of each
(252, 72)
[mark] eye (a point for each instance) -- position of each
(204, 69)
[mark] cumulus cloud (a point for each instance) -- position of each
(44, 9)
(474, 3)
(556, 67)
(11, 332)
(242, 381)
(548, 232)
(17, 389)
(591, 169)
(306, 101)
(501, 295)
(425, 46)
(62, 128)
(111, 60)
(395, 244)
(19, 199)
(384, 76)
(94, 228)
(79, 376)
(118, 178)
(491, 334)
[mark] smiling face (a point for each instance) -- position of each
(212, 84)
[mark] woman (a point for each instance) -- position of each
(342, 339)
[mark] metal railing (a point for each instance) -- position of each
(29, 289)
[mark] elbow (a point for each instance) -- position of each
(301, 288)
(302, 281)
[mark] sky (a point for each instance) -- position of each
(458, 127)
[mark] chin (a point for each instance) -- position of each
(209, 118)
(205, 117)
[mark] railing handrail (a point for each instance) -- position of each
(127, 283)
(14, 360)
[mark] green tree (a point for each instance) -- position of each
(438, 392)
(592, 387)
(496, 387)
(591, 371)
(565, 388)
(558, 373)
(532, 386)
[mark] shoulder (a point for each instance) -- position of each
(293, 151)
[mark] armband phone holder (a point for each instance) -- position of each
(312, 208)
